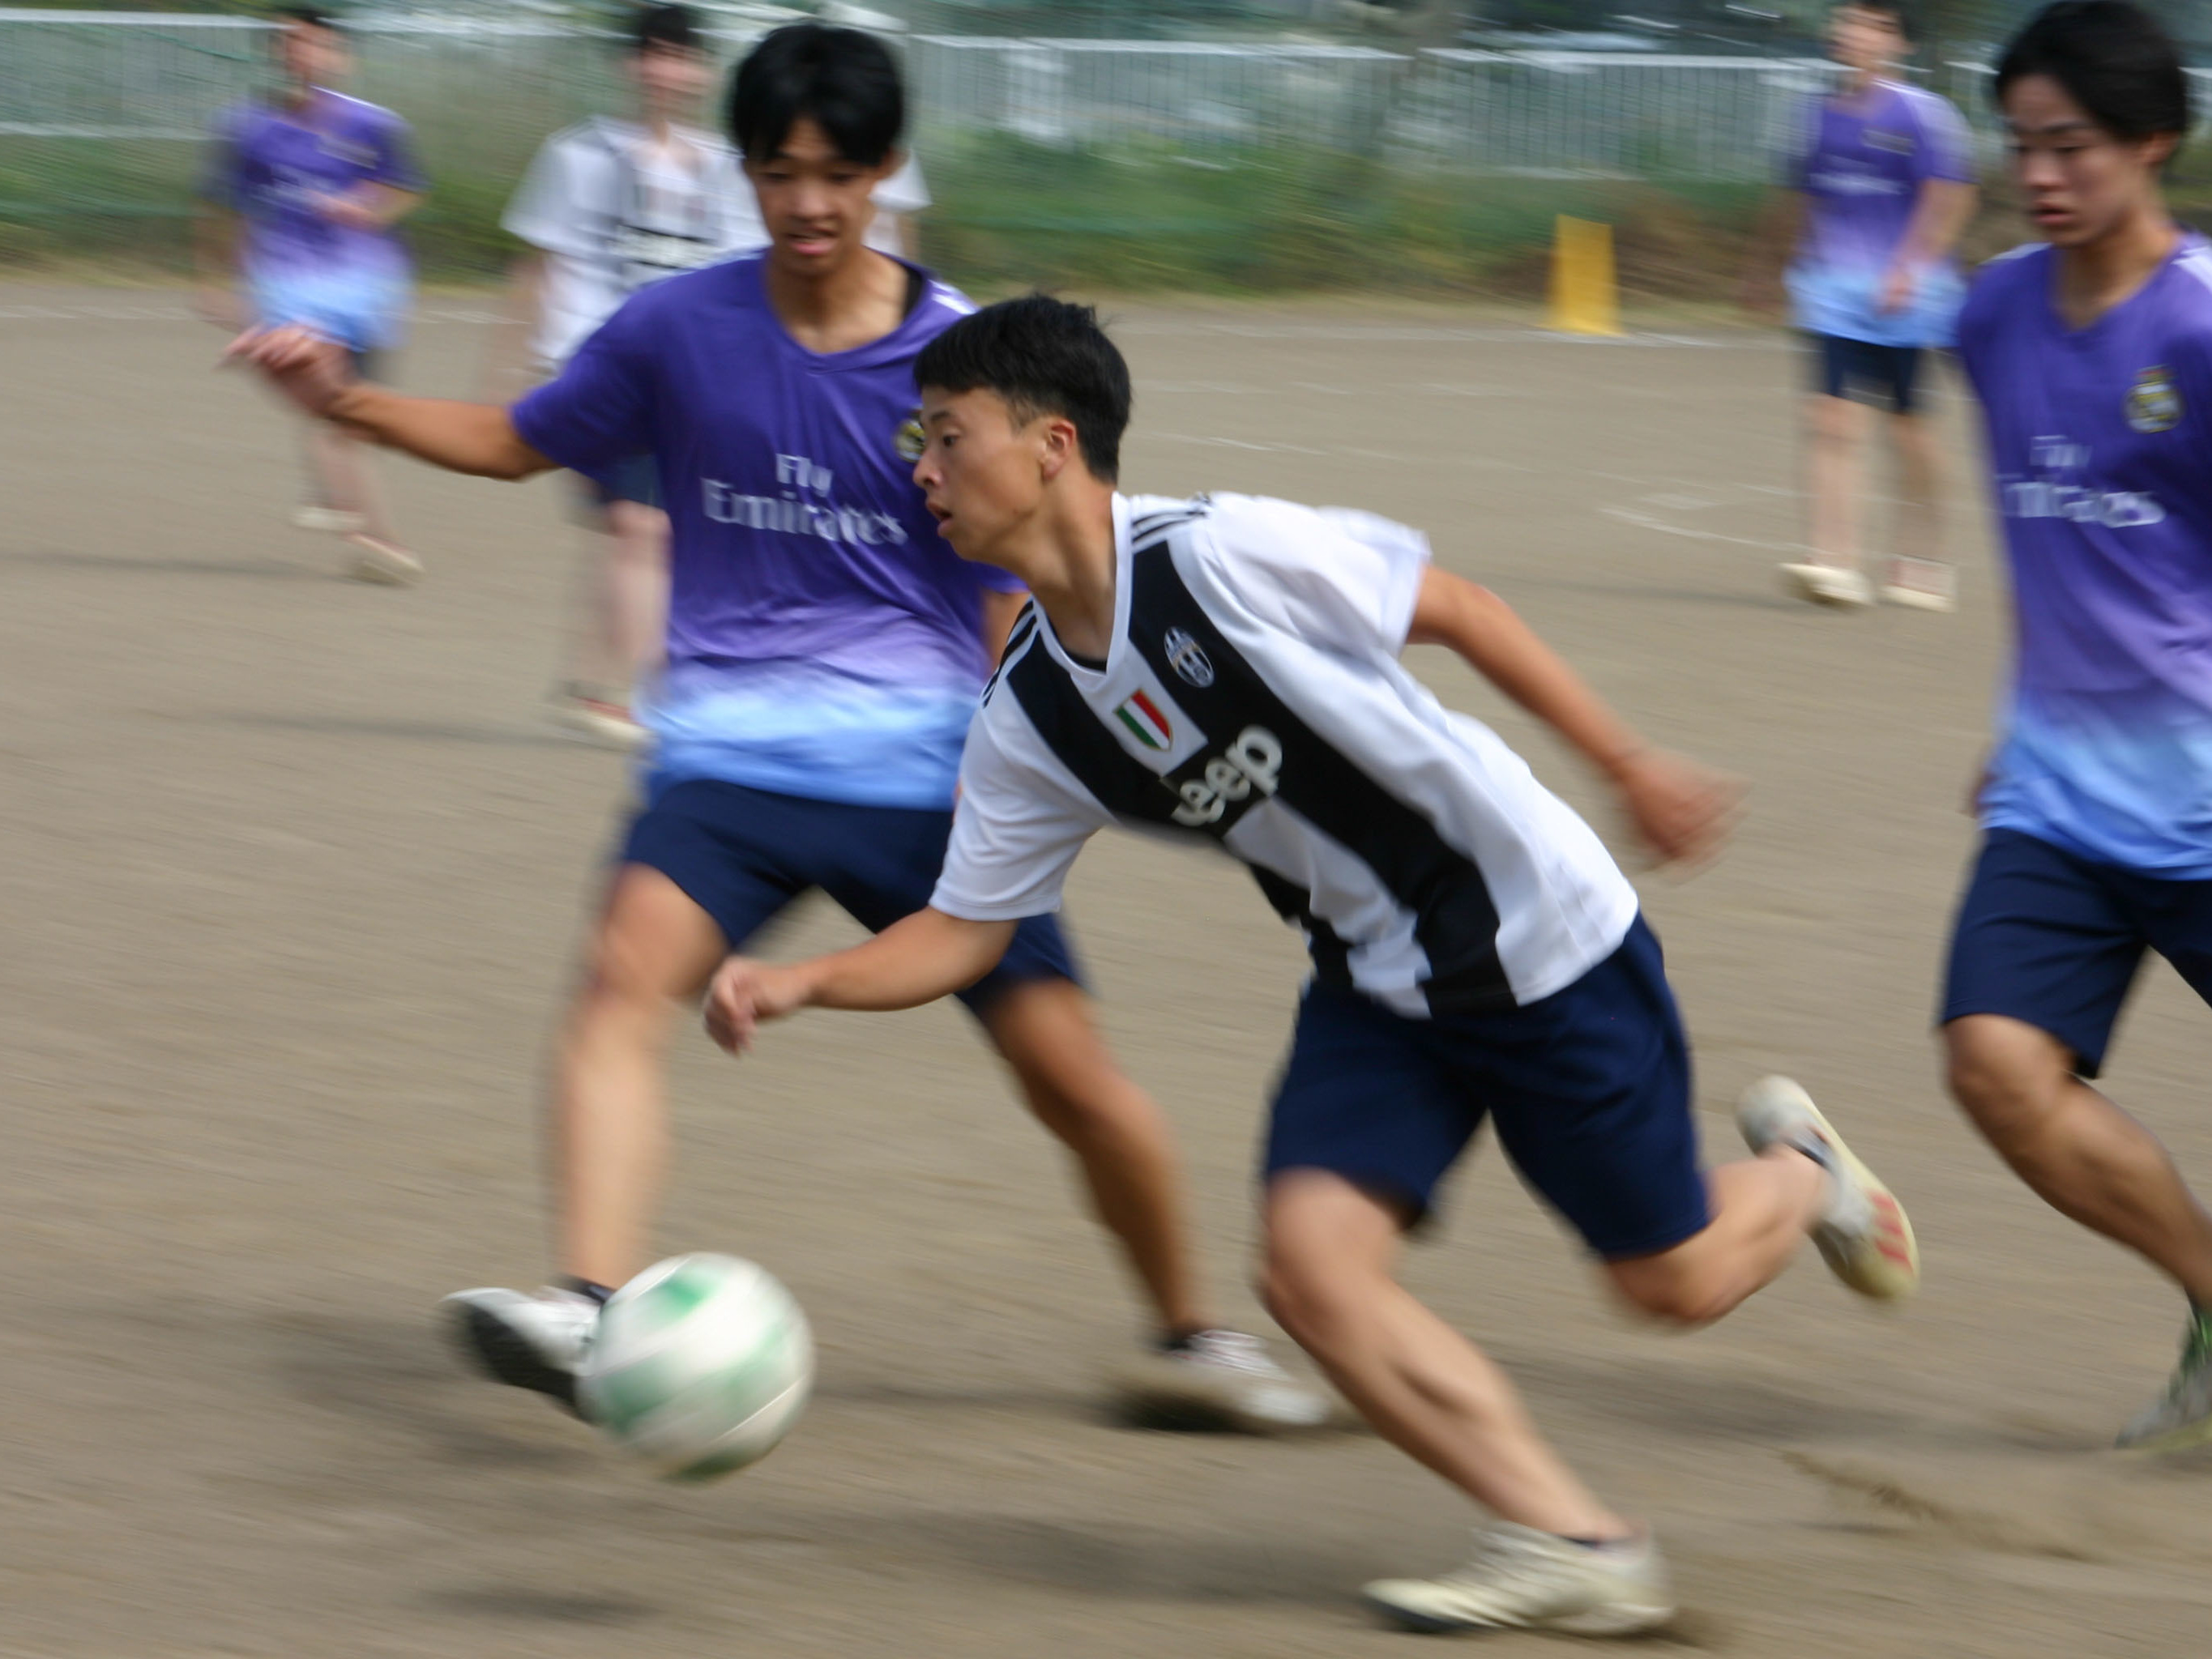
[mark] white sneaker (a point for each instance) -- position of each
(1934, 586)
(591, 713)
(1827, 583)
(333, 521)
(1519, 1579)
(1223, 1379)
(1865, 1236)
(382, 562)
(535, 1342)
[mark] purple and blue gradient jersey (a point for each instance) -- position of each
(2100, 440)
(1861, 164)
(278, 168)
(824, 640)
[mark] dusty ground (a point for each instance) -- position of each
(291, 885)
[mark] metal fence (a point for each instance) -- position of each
(99, 112)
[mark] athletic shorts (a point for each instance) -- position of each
(1590, 1089)
(742, 854)
(1883, 375)
(636, 479)
(2054, 940)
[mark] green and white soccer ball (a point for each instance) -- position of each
(700, 1366)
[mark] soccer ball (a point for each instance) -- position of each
(699, 1366)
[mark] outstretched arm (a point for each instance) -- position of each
(473, 438)
(1681, 809)
(926, 956)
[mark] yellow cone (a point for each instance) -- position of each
(1584, 298)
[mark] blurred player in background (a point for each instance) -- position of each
(1227, 668)
(1877, 197)
(300, 198)
(2091, 354)
(825, 651)
(611, 206)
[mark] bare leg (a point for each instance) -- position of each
(623, 601)
(2081, 1154)
(655, 949)
(1329, 1280)
(343, 480)
(1118, 1135)
(1920, 483)
(1835, 486)
(1763, 1207)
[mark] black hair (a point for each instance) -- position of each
(314, 16)
(2114, 60)
(676, 26)
(1893, 10)
(844, 81)
(1044, 356)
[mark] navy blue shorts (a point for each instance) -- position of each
(1590, 1089)
(742, 854)
(2054, 940)
(1885, 375)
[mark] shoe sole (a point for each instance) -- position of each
(1800, 585)
(1913, 598)
(1599, 1621)
(1164, 1403)
(2189, 1435)
(600, 730)
(1902, 1276)
(492, 1346)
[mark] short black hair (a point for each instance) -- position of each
(2114, 60)
(677, 26)
(1044, 356)
(843, 80)
(1894, 10)
(314, 16)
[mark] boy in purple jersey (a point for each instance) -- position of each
(1878, 190)
(304, 195)
(825, 651)
(2092, 354)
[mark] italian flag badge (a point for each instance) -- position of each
(1145, 722)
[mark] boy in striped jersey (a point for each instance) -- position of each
(2092, 354)
(1227, 668)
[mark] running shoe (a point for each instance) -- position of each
(596, 715)
(333, 521)
(2182, 1416)
(1933, 585)
(536, 1342)
(1827, 583)
(1519, 1579)
(1865, 1236)
(1222, 1379)
(383, 563)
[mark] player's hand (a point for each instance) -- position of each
(299, 362)
(353, 212)
(1896, 290)
(1683, 811)
(744, 995)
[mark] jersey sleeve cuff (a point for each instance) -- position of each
(965, 909)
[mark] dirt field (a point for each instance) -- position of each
(292, 885)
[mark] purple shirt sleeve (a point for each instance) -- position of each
(1945, 149)
(394, 158)
(601, 408)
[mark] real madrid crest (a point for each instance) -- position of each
(910, 439)
(2154, 402)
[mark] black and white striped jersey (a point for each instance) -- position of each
(1253, 697)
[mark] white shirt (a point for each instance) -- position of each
(614, 212)
(1253, 696)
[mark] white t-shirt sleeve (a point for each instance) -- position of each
(1333, 576)
(555, 207)
(904, 192)
(1016, 830)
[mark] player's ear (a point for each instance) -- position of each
(1059, 448)
(892, 161)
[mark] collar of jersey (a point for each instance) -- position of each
(751, 270)
(1116, 647)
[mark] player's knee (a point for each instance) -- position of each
(2006, 1093)
(1678, 1287)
